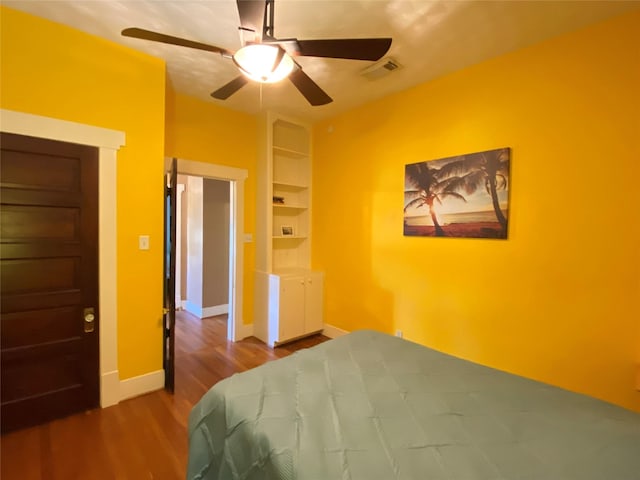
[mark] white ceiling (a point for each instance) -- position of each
(430, 38)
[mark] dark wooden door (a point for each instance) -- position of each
(169, 338)
(49, 280)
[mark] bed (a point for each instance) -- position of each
(369, 406)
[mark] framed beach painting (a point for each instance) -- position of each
(463, 196)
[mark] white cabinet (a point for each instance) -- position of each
(313, 302)
(294, 307)
(288, 313)
(288, 294)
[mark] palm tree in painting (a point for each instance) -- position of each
(489, 169)
(427, 190)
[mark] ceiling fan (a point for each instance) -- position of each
(266, 59)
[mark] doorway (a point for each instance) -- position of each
(235, 178)
(202, 245)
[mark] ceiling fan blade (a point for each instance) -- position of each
(230, 88)
(349, 48)
(252, 14)
(161, 37)
(308, 88)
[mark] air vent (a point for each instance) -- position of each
(380, 69)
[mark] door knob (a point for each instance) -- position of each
(89, 320)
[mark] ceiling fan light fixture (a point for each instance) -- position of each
(257, 62)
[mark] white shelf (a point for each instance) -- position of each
(295, 186)
(289, 237)
(284, 172)
(292, 207)
(287, 152)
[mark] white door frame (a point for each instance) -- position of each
(108, 143)
(236, 178)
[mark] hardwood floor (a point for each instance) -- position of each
(145, 437)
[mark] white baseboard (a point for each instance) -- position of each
(109, 389)
(133, 387)
(206, 311)
(333, 332)
(215, 310)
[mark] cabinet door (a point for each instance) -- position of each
(291, 321)
(313, 302)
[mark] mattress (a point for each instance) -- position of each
(369, 406)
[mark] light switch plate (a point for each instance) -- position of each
(143, 242)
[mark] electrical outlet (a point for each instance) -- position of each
(399, 333)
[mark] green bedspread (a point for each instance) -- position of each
(368, 406)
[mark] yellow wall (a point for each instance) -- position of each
(558, 300)
(204, 132)
(54, 71)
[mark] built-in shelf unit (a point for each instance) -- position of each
(288, 294)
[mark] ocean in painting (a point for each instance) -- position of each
(451, 218)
